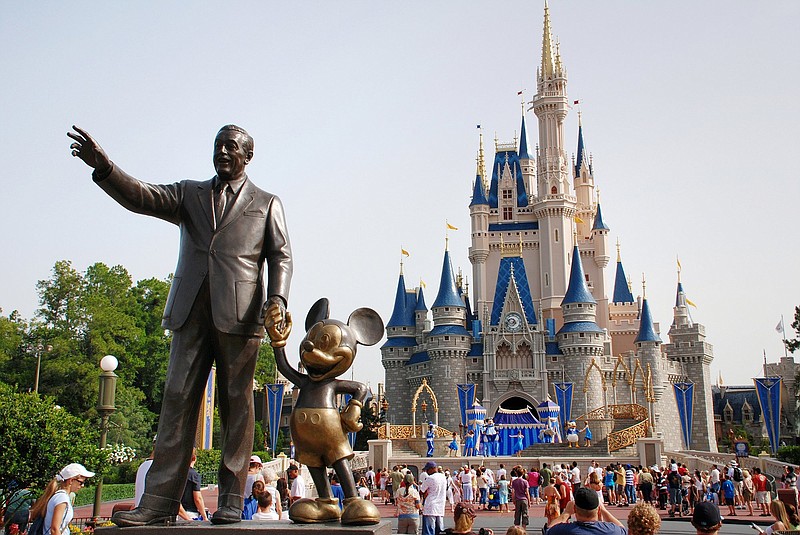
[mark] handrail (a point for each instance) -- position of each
(407, 431)
(628, 436)
(631, 411)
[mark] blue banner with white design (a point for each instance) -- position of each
(684, 398)
(274, 408)
(466, 398)
(769, 397)
(563, 393)
(351, 437)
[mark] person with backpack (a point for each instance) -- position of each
(52, 512)
(738, 483)
(18, 506)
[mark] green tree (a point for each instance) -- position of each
(370, 430)
(40, 438)
(793, 344)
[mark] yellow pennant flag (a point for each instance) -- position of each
(404, 252)
(690, 303)
(578, 219)
(451, 227)
(422, 283)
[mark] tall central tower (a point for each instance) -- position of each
(555, 204)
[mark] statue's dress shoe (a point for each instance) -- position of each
(226, 515)
(142, 517)
(359, 512)
(310, 511)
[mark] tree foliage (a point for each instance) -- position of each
(81, 318)
(40, 438)
(793, 344)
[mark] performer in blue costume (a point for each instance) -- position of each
(453, 446)
(587, 438)
(469, 444)
(492, 438)
(429, 439)
(519, 443)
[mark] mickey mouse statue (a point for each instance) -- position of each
(318, 428)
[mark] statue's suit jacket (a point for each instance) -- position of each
(231, 255)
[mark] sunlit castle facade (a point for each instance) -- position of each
(540, 311)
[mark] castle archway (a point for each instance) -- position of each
(514, 400)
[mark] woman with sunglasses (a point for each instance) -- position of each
(54, 504)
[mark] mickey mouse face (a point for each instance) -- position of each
(327, 350)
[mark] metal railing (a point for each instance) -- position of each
(628, 436)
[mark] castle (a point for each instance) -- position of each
(540, 312)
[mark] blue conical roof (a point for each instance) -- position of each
(523, 142)
(420, 301)
(402, 316)
(678, 295)
(448, 293)
(598, 220)
(622, 294)
(577, 291)
(579, 159)
(647, 331)
(478, 192)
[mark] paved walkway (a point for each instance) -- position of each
(536, 512)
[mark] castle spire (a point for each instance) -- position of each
(548, 65)
(523, 140)
(577, 292)
(402, 315)
(647, 331)
(581, 160)
(622, 292)
(448, 291)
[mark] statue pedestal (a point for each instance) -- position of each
(380, 450)
(252, 527)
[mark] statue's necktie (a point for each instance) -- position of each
(221, 202)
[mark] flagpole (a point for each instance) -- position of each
(783, 331)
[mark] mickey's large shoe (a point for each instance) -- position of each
(226, 515)
(309, 511)
(142, 516)
(359, 512)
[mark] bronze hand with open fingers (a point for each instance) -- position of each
(87, 149)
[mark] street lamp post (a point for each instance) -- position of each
(39, 349)
(105, 406)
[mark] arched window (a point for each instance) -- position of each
(554, 190)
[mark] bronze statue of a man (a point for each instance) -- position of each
(228, 229)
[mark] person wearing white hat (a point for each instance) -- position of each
(54, 503)
(253, 473)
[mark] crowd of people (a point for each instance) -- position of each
(421, 502)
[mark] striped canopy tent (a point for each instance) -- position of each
(511, 422)
(475, 417)
(548, 415)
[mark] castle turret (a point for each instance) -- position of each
(526, 161)
(580, 339)
(584, 187)
(623, 313)
(479, 219)
(399, 347)
(421, 316)
(555, 206)
(448, 344)
(648, 351)
(689, 347)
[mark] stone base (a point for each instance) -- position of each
(251, 527)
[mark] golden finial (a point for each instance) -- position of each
(481, 161)
(678, 260)
(644, 286)
(619, 257)
(547, 46)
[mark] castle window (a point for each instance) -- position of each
(474, 361)
(581, 335)
(554, 359)
(747, 415)
(556, 235)
(447, 338)
(727, 414)
(580, 305)
(547, 279)
(554, 190)
(506, 194)
(586, 276)
(508, 213)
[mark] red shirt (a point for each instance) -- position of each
(760, 482)
(533, 479)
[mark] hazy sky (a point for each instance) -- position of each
(364, 116)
